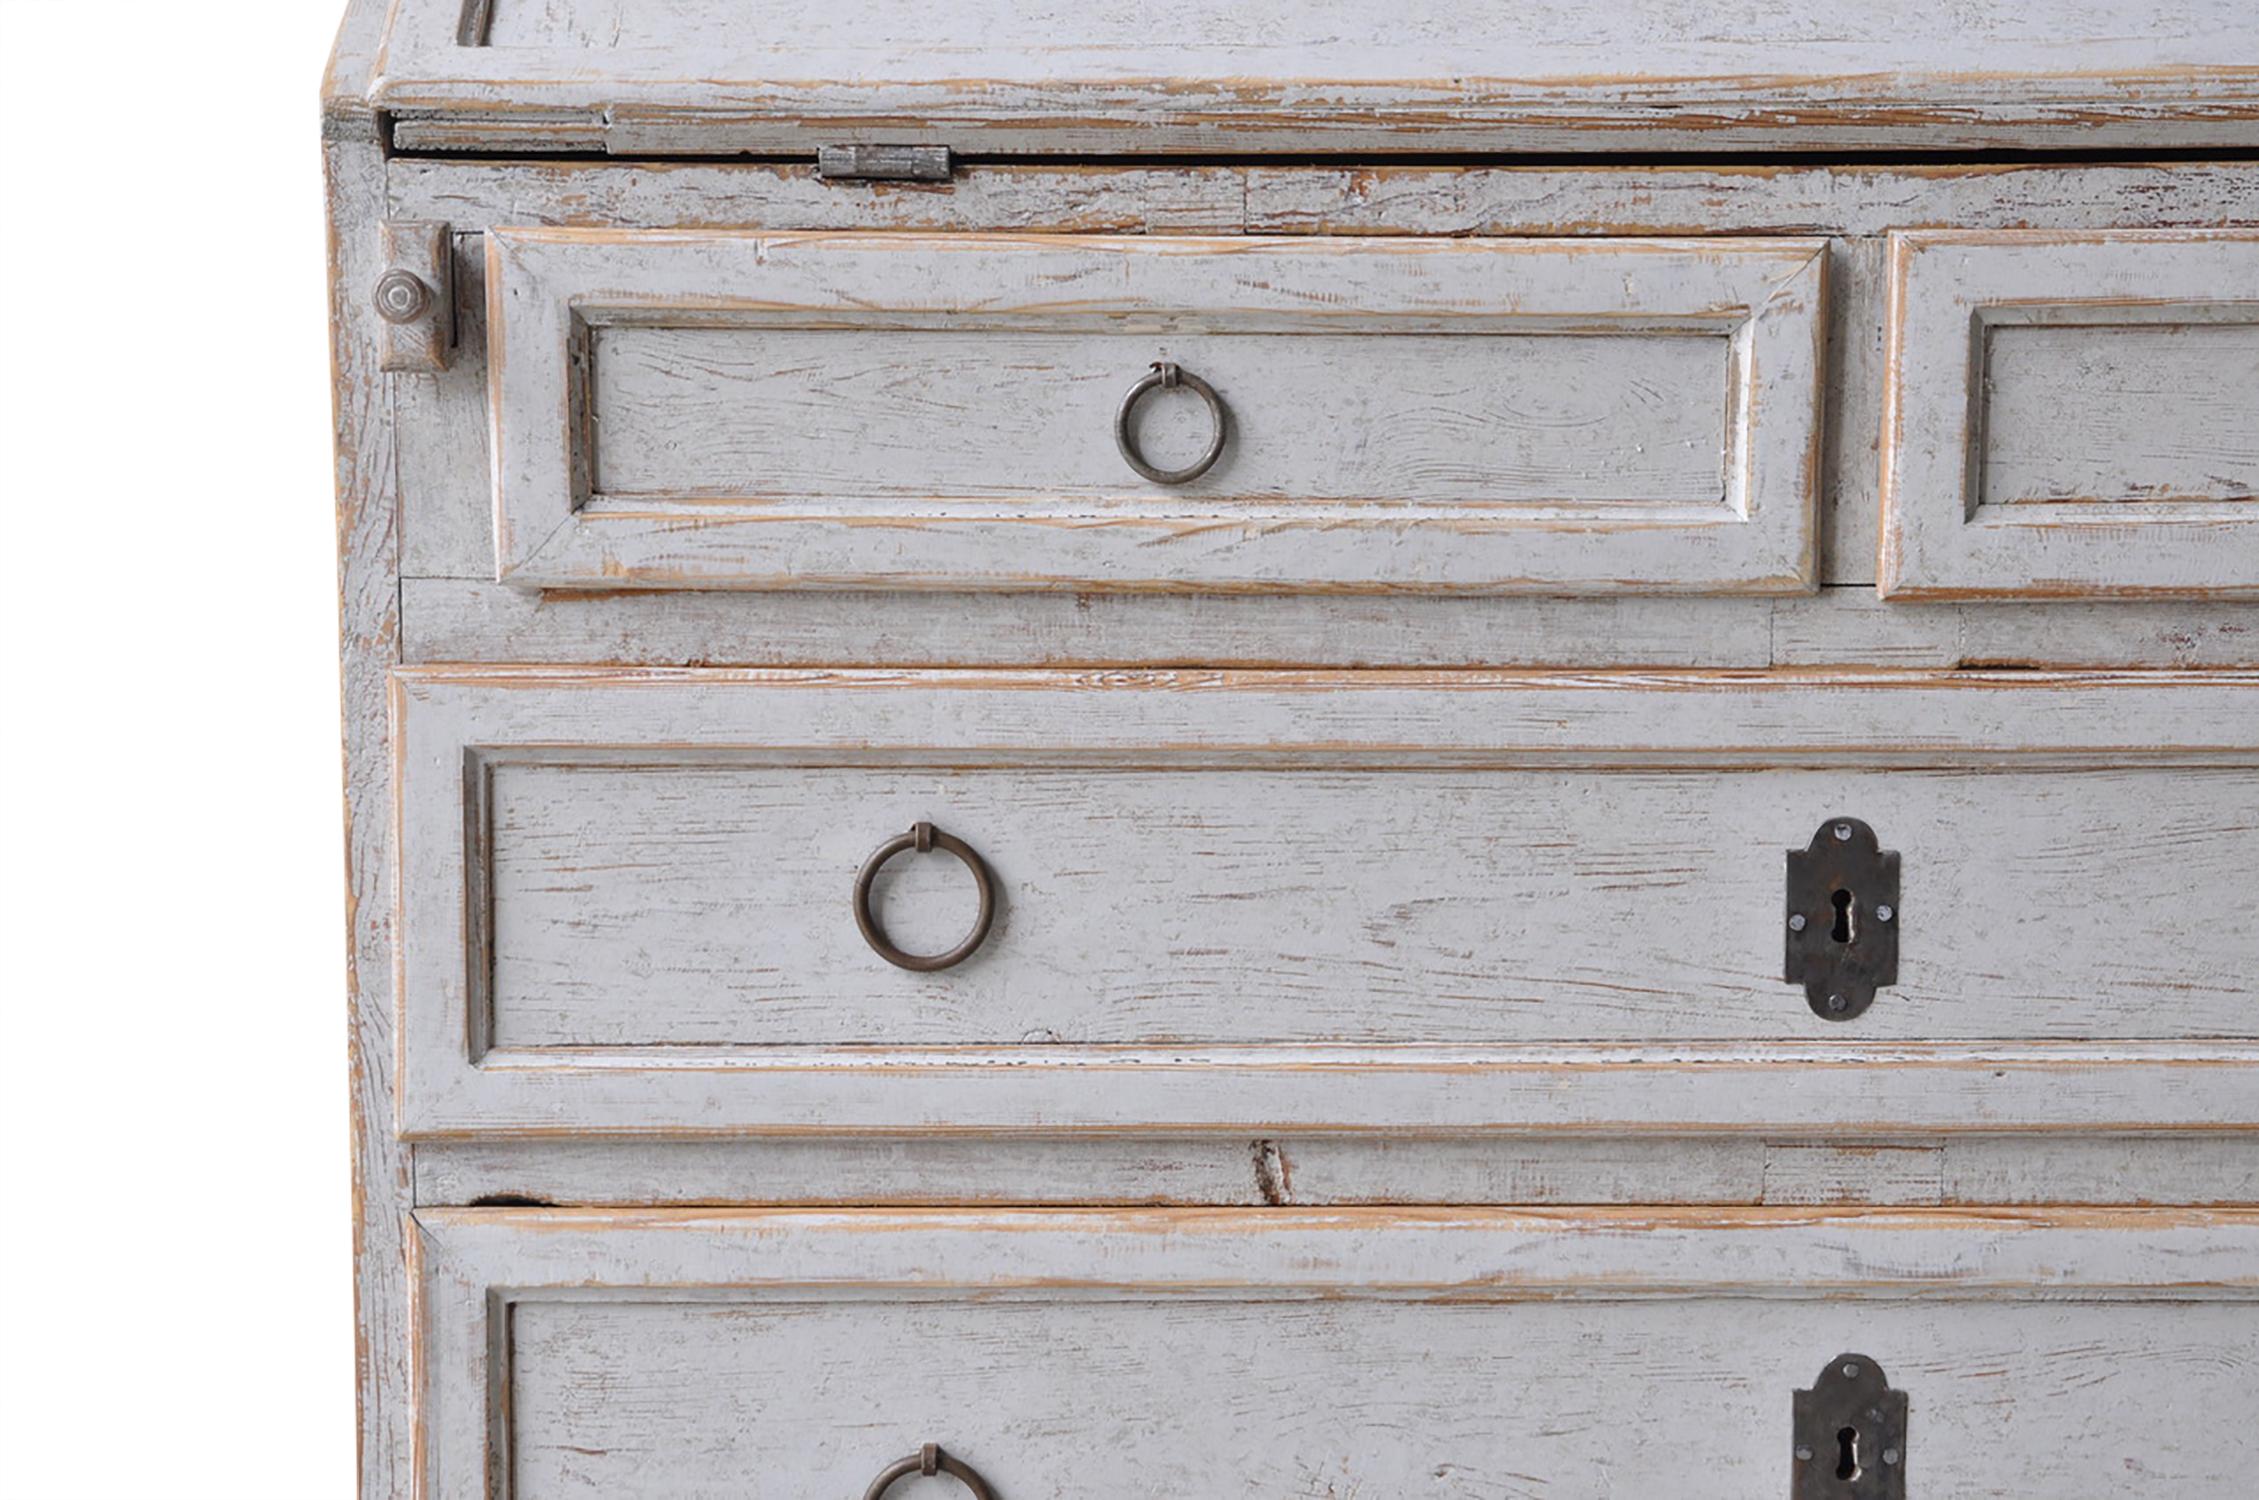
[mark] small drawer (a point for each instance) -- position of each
(2072, 416)
(1121, 1355)
(629, 900)
(975, 411)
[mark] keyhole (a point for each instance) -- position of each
(1847, 1443)
(1846, 918)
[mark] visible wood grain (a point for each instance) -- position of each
(689, 1354)
(1610, 198)
(456, 620)
(1341, 1170)
(351, 72)
(1850, 465)
(1887, 1175)
(1211, 1170)
(448, 520)
(2142, 413)
(883, 411)
(1851, 626)
(1439, 720)
(902, 1170)
(446, 493)
(1628, 425)
(1228, 1398)
(2066, 1169)
(1593, 198)
(462, 621)
(1111, 199)
(1430, 75)
(2115, 632)
(686, 902)
(369, 628)
(1211, 1352)
(2041, 363)
(1217, 884)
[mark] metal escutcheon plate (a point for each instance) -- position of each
(1842, 919)
(1850, 1434)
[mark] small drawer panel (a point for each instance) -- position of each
(629, 898)
(1116, 1354)
(716, 410)
(2073, 416)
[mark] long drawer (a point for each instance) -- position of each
(703, 409)
(690, 1355)
(630, 900)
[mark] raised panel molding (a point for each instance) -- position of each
(1127, 1353)
(687, 1057)
(2072, 416)
(797, 411)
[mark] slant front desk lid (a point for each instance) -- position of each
(1297, 77)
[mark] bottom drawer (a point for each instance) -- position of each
(1105, 1355)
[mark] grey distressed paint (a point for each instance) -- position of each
(1389, 907)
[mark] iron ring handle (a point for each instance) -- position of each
(923, 837)
(1165, 376)
(930, 1460)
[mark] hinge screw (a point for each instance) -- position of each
(1885, 912)
(1796, 921)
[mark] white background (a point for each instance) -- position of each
(178, 1317)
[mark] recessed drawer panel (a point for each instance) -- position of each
(2073, 416)
(714, 1355)
(783, 411)
(630, 899)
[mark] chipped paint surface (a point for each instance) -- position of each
(2103, 374)
(672, 76)
(1321, 900)
(1695, 1200)
(1367, 1345)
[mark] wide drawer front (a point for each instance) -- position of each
(630, 900)
(2072, 415)
(679, 409)
(713, 1355)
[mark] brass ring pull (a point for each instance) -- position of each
(1165, 377)
(930, 1460)
(923, 837)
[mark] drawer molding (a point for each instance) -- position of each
(455, 726)
(2127, 467)
(475, 1273)
(628, 454)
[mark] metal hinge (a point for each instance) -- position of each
(883, 163)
